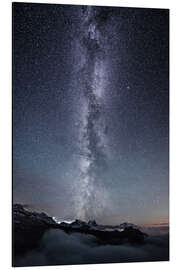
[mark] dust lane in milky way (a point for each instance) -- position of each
(90, 93)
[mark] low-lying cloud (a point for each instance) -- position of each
(58, 248)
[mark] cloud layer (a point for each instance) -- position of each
(82, 249)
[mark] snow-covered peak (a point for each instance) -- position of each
(59, 221)
(127, 225)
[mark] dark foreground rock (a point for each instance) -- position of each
(29, 228)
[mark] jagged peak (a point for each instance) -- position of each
(92, 223)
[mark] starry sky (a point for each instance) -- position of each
(91, 112)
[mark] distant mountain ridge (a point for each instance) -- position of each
(93, 225)
(29, 227)
(19, 212)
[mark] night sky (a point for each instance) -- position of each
(91, 112)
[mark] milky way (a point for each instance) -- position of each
(92, 137)
(90, 112)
